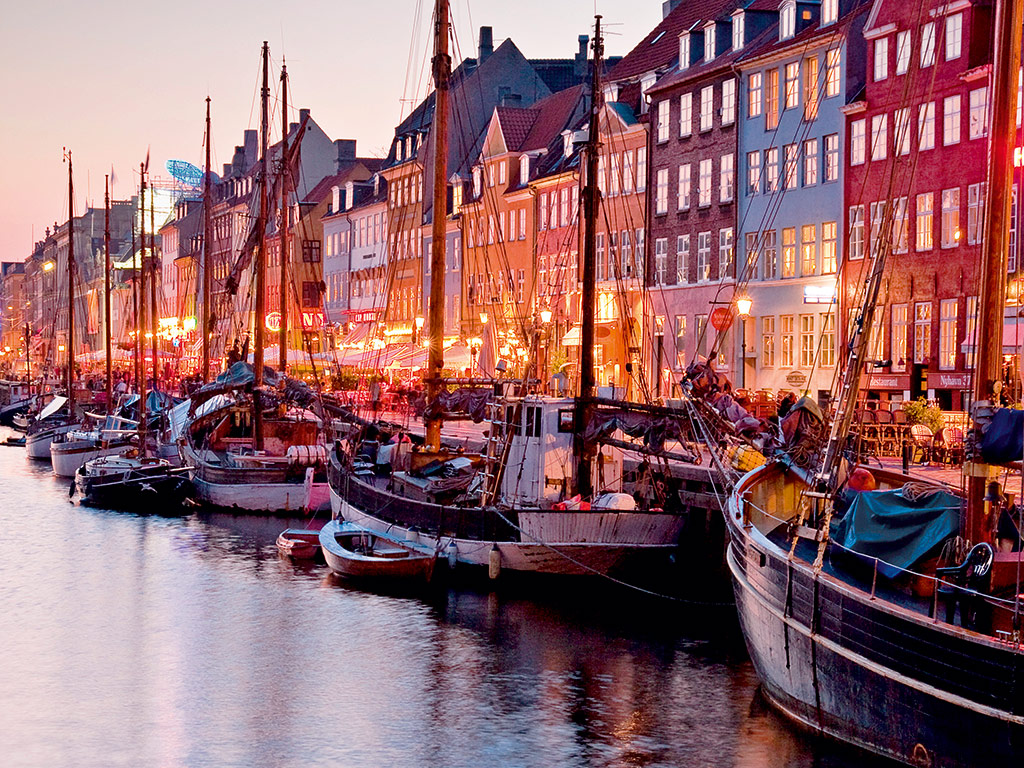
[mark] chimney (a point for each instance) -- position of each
(238, 161)
(252, 152)
(227, 171)
(346, 152)
(580, 63)
(303, 114)
(486, 44)
(667, 6)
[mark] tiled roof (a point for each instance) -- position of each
(660, 48)
(758, 45)
(554, 115)
(808, 34)
(515, 125)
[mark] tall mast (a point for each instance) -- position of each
(260, 259)
(71, 290)
(435, 354)
(282, 337)
(207, 245)
(152, 288)
(992, 282)
(141, 325)
(591, 200)
(106, 291)
(136, 344)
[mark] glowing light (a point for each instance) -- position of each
(483, 317)
(419, 321)
(545, 316)
(743, 304)
(48, 266)
(60, 347)
(273, 322)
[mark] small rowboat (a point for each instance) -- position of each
(357, 553)
(299, 543)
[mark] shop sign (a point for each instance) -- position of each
(721, 318)
(796, 378)
(940, 380)
(888, 381)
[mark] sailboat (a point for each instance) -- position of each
(854, 629)
(535, 501)
(252, 440)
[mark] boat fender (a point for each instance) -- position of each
(451, 552)
(494, 562)
(413, 534)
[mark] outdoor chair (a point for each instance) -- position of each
(948, 445)
(966, 585)
(922, 439)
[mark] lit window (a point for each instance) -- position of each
(950, 234)
(832, 59)
(754, 95)
(948, 310)
(792, 84)
(811, 88)
(924, 225)
(789, 252)
(771, 100)
(922, 331)
(828, 248)
(808, 250)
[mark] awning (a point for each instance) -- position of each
(602, 332)
(1013, 339)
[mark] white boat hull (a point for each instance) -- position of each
(37, 446)
(264, 498)
(67, 457)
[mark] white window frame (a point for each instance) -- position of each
(880, 60)
(685, 115)
(728, 102)
(685, 186)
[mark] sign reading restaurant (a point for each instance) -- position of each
(888, 381)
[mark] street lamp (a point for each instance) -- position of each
(483, 318)
(743, 304)
(48, 266)
(417, 330)
(545, 316)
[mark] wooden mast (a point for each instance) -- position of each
(137, 364)
(591, 201)
(141, 319)
(282, 337)
(992, 282)
(106, 292)
(152, 289)
(435, 316)
(207, 245)
(260, 260)
(70, 378)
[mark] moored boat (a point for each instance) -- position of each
(133, 483)
(358, 553)
(299, 543)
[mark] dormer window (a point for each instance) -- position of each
(646, 83)
(477, 176)
(709, 41)
(829, 11)
(524, 169)
(787, 21)
(684, 50)
(738, 29)
(456, 197)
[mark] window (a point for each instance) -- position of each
(702, 336)
(900, 225)
(542, 218)
(922, 331)
(685, 114)
(879, 136)
(856, 247)
(680, 340)
(951, 120)
(684, 187)
(310, 294)
(771, 100)
(977, 125)
(616, 177)
(703, 256)
(832, 72)
(728, 102)
(661, 192)
(828, 248)
(684, 50)
(786, 322)
(502, 173)
(787, 21)
(789, 252)
(810, 162)
(754, 95)
(832, 157)
(641, 173)
(808, 249)
(810, 88)
(971, 331)
(950, 235)
(901, 126)
(522, 223)
(707, 96)
(725, 252)
(928, 44)
(877, 212)
(1011, 256)
(727, 179)
(947, 333)
(627, 180)
(750, 267)
(311, 251)
(639, 253)
(899, 336)
(858, 129)
(926, 126)
(768, 341)
(663, 110)
(599, 256)
(769, 255)
(490, 177)
(524, 169)
(704, 183)
(771, 169)
(806, 341)
(829, 11)
(754, 172)
(737, 31)
(792, 160)
(660, 260)
(792, 84)
(902, 52)
(925, 222)
(625, 254)
(954, 35)
(975, 213)
(828, 340)
(709, 41)
(881, 68)
(682, 259)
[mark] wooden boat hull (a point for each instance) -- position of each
(299, 543)
(405, 564)
(164, 493)
(255, 491)
(869, 671)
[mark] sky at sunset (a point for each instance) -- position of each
(113, 80)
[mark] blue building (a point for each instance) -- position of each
(790, 192)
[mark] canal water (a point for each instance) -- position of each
(132, 640)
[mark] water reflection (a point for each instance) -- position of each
(139, 640)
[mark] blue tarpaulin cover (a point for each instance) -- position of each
(897, 530)
(1003, 441)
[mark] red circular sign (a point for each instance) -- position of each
(721, 318)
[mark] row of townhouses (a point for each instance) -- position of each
(749, 149)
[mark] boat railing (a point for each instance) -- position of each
(1014, 607)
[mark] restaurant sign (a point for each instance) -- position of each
(888, 381)
(796, 378)
(940, 380)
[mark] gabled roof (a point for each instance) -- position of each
(809, 35)
(703, 68)
(555, 114)
(515, 125)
